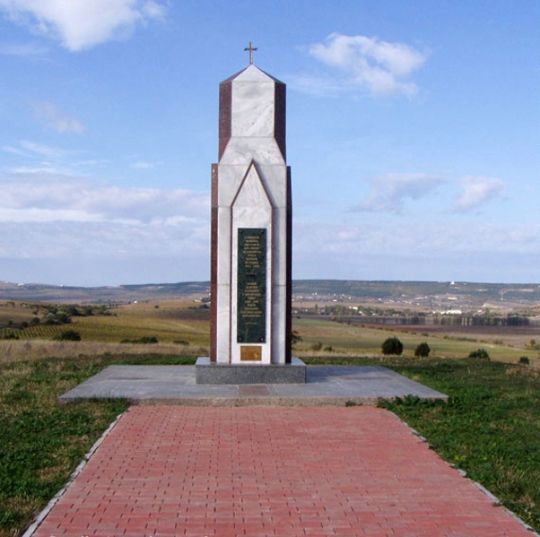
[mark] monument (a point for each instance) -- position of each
(251, 237)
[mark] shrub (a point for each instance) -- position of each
(68, 335)
(295, 338)
(423, 350)
(316, 346)
(148, 340)
(328, 348)
(479, 353)
(524, 360)
(181, 342)
(392, 345)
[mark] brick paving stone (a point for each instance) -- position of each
(271, 471)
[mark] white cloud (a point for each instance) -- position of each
(388, 192)
(82, 24)
(381, 67)
(60, 195)
(476, 191)
(56, 119)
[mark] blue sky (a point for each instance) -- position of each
(413, 135)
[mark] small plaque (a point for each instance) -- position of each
(250, 353)
(251, 292)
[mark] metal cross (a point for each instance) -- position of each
(251, 50)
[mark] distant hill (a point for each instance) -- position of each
(386, 291)
(405, 290)
(98, 295)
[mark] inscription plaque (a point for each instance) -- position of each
(250, 353)
(251, 307)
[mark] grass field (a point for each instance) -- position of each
(182, 326)
(41, 442)
(490, 427)
(168, 321)
(356, 340)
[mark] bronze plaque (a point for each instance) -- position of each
(251, 312)
(250, 353)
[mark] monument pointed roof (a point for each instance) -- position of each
(252, 74)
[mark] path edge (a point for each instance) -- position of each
(38, 520)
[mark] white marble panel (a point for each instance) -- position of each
(223, 353)
(280, 246)
(252, 193)
(230, 178)
(275, 178)
(252, 112)
(252, 208)
(243, 150)
(253, 74)
(279, 337)
(224, 245)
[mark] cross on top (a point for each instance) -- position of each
(251, 50)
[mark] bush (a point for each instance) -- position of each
(147, 340)
(316, 346)
(328, 348)
(479, 353)
(392, 345)
(68, 335)
(524, 360)
(295, 338)
(423, 350)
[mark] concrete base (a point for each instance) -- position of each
(176, 384)
(212, 373)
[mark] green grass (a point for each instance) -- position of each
(357, 340)
(41, 442)
(490, 426)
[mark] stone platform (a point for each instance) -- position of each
(325, 385)
(212, 373)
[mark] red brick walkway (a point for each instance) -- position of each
(173, 471)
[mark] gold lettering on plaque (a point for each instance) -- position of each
(250, 353)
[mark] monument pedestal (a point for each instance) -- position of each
(208, 372)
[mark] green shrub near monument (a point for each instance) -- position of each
(392, 345)
(481, 354)
(422, 350)
(68, 335)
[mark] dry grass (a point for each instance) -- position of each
(182, 326)
(354, 340)
(31, 350)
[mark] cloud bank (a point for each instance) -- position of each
(49, 215)
(82, 24)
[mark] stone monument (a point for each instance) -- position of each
(251, 237)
